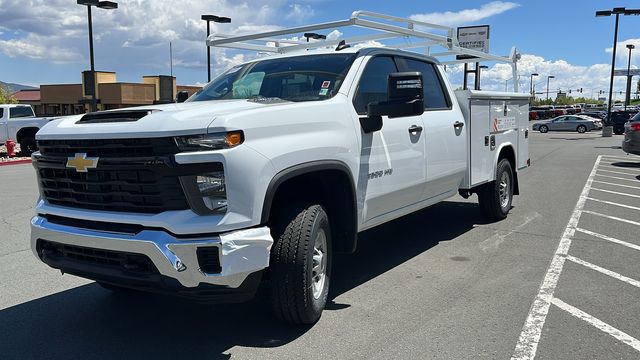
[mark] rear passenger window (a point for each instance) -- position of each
(434, 95)
(374, 82)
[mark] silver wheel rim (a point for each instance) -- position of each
(319, 264)
(504, 190)
(581, 129)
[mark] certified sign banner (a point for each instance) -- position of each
(474, 37)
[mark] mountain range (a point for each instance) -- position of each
(15, 87)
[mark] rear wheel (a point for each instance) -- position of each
(495, 197)
(28, 145)
(543, 128)
(300, 266)
(582, 129)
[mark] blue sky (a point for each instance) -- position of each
(45, 42)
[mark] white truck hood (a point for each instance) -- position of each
(167, 120)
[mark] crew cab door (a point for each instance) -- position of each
(444, 133)
(392, 168)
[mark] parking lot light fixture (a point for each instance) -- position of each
(209, 19)
(628, 96)
(549, 77)
(107, 5)
(531, 85)
(617, 12)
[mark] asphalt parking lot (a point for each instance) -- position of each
(558, 279)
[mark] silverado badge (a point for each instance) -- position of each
(82, 163)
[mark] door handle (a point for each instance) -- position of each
(415, 129)
(458, 124)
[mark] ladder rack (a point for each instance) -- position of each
(414, 34)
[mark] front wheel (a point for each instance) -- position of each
(618, 130)
(582, 129)
(495, 197)
(543, 129)
(300, 266)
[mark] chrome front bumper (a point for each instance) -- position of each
(242, 252)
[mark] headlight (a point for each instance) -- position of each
(214, 141)
(212, 190)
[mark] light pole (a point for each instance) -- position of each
(628, 97)
(533, 95)
(209, 19)
(479, 69)
(615, 11)
(549, 77)
(108, 5)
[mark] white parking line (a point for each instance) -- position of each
(530, 336)
(616, 172)
(618, 168)
(609, 238)
(619, 178)
(628, 157)
(602, 270)
(608, 183)
(611, 217)
(615, 192)
(614, 203)
(601, 325)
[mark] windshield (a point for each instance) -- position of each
(300, 78)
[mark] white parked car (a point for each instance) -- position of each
(19, 123)
(267, 172)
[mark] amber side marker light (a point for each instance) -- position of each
(234, 138)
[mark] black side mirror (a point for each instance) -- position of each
(406, 98)
(182, 96)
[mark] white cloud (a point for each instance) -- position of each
(591, 79)
(299, 13)
(466, 16)
(622, 53)
(138, 32)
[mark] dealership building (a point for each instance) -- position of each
(72, 99)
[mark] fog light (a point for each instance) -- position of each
(213, 191)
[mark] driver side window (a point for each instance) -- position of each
(374, 82)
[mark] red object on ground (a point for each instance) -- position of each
(11, 147)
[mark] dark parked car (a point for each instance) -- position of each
(533, 115)
(619, 118)
(577, 123)
(631, 142)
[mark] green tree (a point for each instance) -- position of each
(5, 96)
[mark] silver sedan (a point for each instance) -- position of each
(565, 123)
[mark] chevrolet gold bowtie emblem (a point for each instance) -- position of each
(82, 163)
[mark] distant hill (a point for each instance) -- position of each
(16, 87)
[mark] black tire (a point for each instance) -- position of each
(493, 203)
(28, 146)
(543, 128)
(291, 266)
(582, 129)
(618, 130)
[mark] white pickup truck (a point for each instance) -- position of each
(267, 172)
(19, 123)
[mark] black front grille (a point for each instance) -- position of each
(132, 175)
(118, 260)
(113, 148)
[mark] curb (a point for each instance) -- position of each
(25, 161)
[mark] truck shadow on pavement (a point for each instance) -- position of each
(89, 322)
